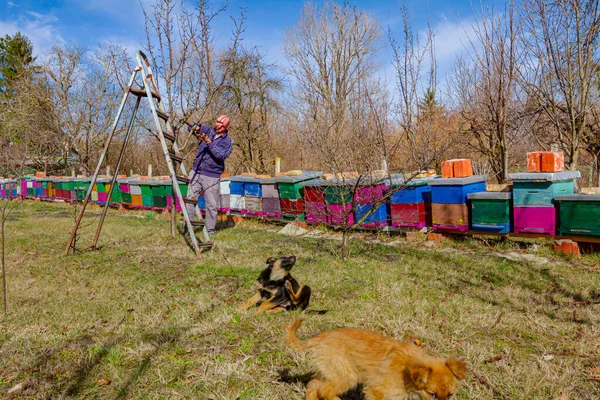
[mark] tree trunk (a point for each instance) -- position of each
(3, 260)
(345, 245)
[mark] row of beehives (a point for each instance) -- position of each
(542, 203)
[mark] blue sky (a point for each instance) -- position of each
(91, 22)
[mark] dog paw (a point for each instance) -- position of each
(288, 285)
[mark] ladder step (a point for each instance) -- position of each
(198, 223)
(162, 115)
(190, 201)
(168, 136)
(175, 157)
(183, 179)
(142, 93)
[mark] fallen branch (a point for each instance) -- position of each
(489, 385)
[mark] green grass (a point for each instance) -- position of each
(158, 322)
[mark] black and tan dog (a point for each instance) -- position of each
(277, 289)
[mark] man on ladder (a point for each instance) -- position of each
(214, 147)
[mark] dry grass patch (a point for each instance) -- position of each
(143, 318)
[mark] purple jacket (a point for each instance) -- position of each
(210, 159)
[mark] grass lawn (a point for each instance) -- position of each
(144, 318)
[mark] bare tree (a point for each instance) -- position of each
(425, 133)
(331, 51)
(485, 86)
(12, 162)
(250, 92)
(180, 44)
(85, 98)
(562, 40)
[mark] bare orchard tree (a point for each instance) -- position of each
(422, 120)
(85, 99)
(562, 43)
(12, 165)
(331, 51)
(250, 92)
(485, 87)
(180, 44)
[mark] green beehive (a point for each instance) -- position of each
(290, 187)
(491, 211)
(183, 187)
(579, 214)
(293, 217)
(116, 194)
(146, 188)
(126, 198)
(335, 192)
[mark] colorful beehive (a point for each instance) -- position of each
(491, 211)
(253, 196)
(410, 205)
(125, 191)
(339, 201)
(136, 193)
(370, 201)
(314, 201)
(271, 204)
(579, 214)
(236, 193)
(159, 192)
(169, 191)
(533, 199)
(99, 195)
(291, 194)
(449, 207)
(224, 195)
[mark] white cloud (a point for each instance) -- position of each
(42, 30)
(10, 4)
(452, 39)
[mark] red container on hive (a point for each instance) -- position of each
(314, 194)
(412, 214)
(534, 161)
(289, 206)
(553, 161)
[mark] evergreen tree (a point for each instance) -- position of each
(16, 58)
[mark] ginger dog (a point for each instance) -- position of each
(386, 368)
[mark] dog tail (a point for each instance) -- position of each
(291, 339)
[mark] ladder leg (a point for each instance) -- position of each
(173, 211)
(100, 161)
(114, 178)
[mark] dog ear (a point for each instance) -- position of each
(271, 260)
(419, 374)
(458, 367)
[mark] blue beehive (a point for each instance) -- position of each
(236, 186)
(455, 190)
(252, 187)
(378, 218)
(414, 192)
